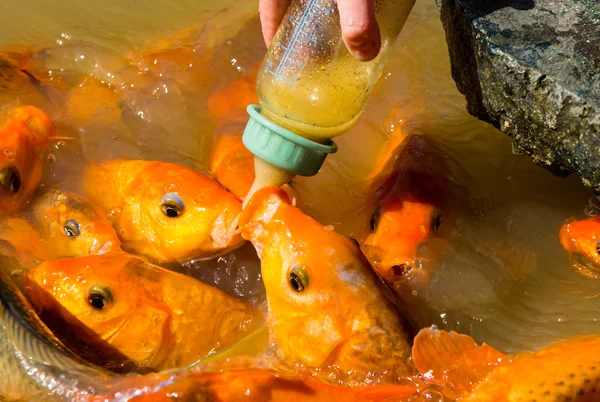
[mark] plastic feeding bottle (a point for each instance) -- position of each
(312, 89)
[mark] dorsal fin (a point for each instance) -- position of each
(453, 360)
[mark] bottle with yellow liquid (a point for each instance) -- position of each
(312, 89)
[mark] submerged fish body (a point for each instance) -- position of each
(24, 139)
(265, 385)
(119, 308)
(164, 211)
(326, 307)
(18, 86)
(412, 197)
(583, 237)
(563, 371)
(73, 226)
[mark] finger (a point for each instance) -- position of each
(271, 13)
(360, 30)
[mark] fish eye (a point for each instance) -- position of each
(172, 205)
(298, 278)
(10, 180)
(598, 247)
(375, 219)
(99, 297)
(436, 221)
(71, 228)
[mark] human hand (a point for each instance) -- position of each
(357, 19)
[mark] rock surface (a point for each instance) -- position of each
(532, 69)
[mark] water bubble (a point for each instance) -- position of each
(593, 208)
(51, 158)
(229, 42)
(60, 144)
(414, 293)
(114, 212)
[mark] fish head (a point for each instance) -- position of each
(582, 237)
(73, 225)
(397, 228)
(24, 138)
(185, 214)
(320, 289)
(102, 303)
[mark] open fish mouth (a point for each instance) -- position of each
(98, 248)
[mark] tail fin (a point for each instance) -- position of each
(453, 360)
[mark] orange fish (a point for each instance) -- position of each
(327, 309)
(165, 211)
(409, 195)
(61, 225)
(582, 237)
(262, 385)
(563, 371)
(73, 226)
(122, 312)
(231, 164)
(24, 139)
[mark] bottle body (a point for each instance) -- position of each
(309, 83)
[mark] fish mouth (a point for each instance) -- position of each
(224, 234)
(390, 268)
(98, 248)
(10, 180)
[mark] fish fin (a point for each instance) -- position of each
(453, 360)
(383, 393)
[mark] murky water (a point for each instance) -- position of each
(503, 276)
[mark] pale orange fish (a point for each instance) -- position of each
(327, 309)
(19, 240)
(165, 211)
(262, 385)
(408, 197)
(24, 139)
(582, 238)
(91, 102)
(72, 225)
(60, 225)
(119, 311)
(562, 371)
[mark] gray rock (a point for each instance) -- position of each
(532, 69)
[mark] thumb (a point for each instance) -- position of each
(360, 30)
(271, 13)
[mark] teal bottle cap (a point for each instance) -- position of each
(282, 148)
